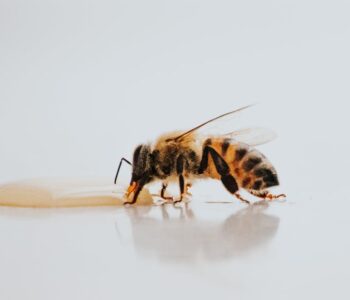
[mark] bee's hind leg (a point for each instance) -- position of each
(239, 197)
(223, 169)
(231, 185)
(266, 195)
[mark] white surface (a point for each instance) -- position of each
(82, 83)
(286, 250)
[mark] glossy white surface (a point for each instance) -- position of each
(293, 249)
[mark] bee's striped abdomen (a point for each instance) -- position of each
(257, 173)
(248, 166)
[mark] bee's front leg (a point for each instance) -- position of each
(162, 193)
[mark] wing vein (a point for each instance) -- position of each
(176, 139)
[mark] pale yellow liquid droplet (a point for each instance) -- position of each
(66, 193)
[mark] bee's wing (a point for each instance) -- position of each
(253, 136)
(203, 129)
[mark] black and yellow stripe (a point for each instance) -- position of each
(248, 166)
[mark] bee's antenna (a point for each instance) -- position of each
(120, 164)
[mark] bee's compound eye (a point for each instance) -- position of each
(137, 154)
(142, 161)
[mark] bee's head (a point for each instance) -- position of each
(141, 167)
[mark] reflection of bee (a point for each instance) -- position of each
(237, 234)
(186, 156)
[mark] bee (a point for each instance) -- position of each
(188, 156)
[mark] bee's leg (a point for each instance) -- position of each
(182, 188)
(162, 193)
(223, 169)
(179, 169)
(264, 194)
(238, 196)
(164, 186)
(187, 187)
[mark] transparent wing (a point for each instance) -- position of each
(253, 136)
(204, 128)
(235, 124)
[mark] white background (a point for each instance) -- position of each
(83, 82)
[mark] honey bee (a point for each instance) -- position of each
(187, 156)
